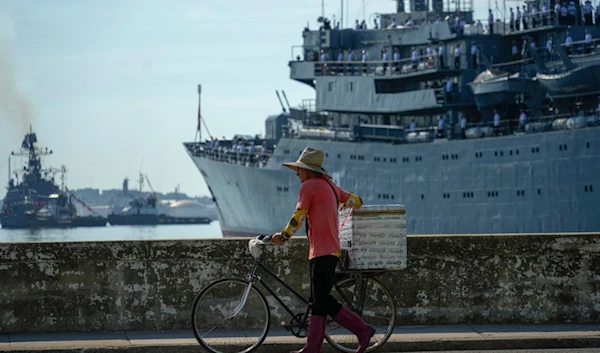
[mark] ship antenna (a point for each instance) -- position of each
(280, 102)
(199, 126)
(286, 100)
(201, 121)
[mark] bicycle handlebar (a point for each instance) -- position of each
(264, 238)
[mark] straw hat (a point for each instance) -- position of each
(310, 159)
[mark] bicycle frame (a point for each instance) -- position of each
(254, 277)
(359, 276)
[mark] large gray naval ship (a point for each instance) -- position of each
(499, 136)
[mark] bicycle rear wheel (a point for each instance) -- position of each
(373, 302)
(224, 323)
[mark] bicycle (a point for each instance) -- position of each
(232, 315)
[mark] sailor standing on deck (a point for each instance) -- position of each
(491, 22)
(512, 20)
(415, 58)
(572, 10)
(440, 129)
(441, 54)
(588, 41)
(396, 59)
(385, 58)
(522, 120)
(457, 53)
(587, 13)
(496, 123)
(474, 55)
(365, 58)
(463, 127)
(449, 90)
(518, 20)
(429, 50)
(569, 44)
(549, 47)
(544, 14)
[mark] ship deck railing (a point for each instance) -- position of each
(531, 125)
(402, 67)
(228, 155)
(527, 23)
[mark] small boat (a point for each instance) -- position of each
(491, 87)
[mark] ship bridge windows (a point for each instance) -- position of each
(357, 157)
(562, 147)
(390, 86)
(468, 195)
(535, 149)
(588, 188)
(520, 192)
(283, 189)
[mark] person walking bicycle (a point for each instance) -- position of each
(318, 202)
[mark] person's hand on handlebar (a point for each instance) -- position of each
(277, 239)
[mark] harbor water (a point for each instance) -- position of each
(112, 233)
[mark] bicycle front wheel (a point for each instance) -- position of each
(373, 302)
(230, 316)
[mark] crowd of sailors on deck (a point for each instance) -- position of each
(562, 12)
(353, 62)
(237, 150)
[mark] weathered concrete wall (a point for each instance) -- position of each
(145, 285)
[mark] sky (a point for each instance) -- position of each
(111, 86)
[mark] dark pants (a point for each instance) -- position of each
(441, 62)
(322, 275)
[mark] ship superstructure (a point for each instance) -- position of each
(34, 199)
(405, 116)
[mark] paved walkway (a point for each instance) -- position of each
(404, 339)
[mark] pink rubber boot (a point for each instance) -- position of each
(314, 338)
(357, 326)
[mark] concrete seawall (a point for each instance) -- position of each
(150, 285)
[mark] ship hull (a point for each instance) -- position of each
(492, 185)
(148, 219)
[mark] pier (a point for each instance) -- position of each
(533, 283)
